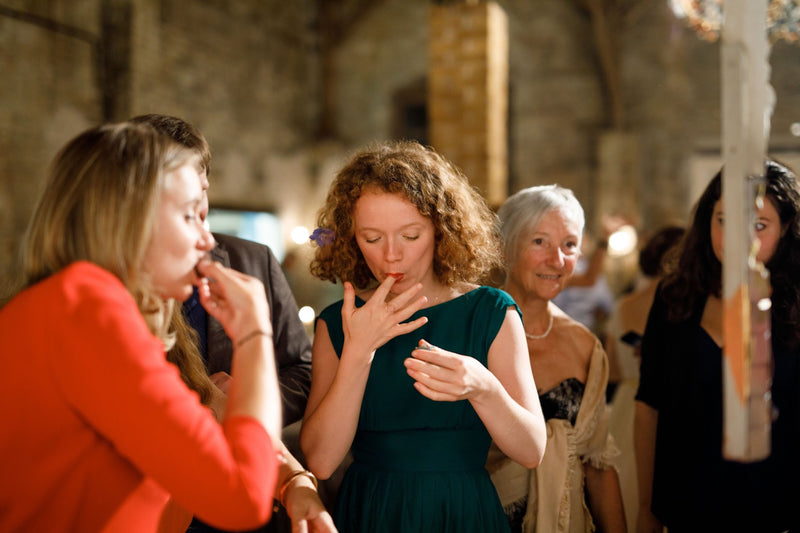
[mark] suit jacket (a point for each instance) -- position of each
(292, 345)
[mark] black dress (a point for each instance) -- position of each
(694, 487)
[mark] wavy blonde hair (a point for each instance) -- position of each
(184, 354)
(466, 231)
(98, 205)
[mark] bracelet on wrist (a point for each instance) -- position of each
(252, 335)
(291, 477)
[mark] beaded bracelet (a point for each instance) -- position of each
(294, 475)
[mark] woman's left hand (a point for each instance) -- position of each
(446, 376)
(307, 512)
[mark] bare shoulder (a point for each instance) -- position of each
(582, 338)
(638, 301)
(634, 308)
(460, 289)
(445, 293)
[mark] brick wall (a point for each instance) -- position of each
(468, 92)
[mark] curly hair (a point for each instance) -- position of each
(467, 243)
(699, 272)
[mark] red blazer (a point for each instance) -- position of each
(98, 429)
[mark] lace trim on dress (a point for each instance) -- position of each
(563, 401)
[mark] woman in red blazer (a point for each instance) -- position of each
(99, 430)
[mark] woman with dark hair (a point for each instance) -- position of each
(685, 483)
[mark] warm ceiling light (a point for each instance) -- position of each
(623, 241)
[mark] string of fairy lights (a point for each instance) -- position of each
(706, 16)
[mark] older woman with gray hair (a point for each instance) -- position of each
(575, 488)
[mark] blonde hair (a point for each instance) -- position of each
(98, 205)
(466, 230)
(186, 356)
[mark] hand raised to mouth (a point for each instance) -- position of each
(376, 322)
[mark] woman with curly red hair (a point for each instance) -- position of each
(418, 368)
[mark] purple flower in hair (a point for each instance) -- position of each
(323, 236)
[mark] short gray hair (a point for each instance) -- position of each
(524, 210)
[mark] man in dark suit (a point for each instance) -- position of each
(292, 345)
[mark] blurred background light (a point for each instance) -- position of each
(300, 235)
(623, 241)
(307, 314)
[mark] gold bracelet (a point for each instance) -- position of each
(252, 334)
(294, 475)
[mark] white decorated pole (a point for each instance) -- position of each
(747, 102)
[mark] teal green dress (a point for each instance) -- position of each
(418, 464)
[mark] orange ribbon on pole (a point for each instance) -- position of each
(747, 103)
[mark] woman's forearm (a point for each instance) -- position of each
(520, 433)
(605, 499)
(328, 430)
(291, 474)
(254, 388)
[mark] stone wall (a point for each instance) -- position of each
(245, 72)
(559, 107)
(49, 90)
(282, 106)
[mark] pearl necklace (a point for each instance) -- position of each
(543, 335)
